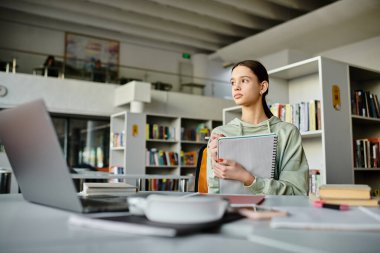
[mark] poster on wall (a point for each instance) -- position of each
(88, 56)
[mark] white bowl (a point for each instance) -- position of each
(174, 209)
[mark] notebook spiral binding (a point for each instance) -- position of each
(274, 156)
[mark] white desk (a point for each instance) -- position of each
(26, 227)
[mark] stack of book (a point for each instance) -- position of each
(348, 194)
(114, 189)
(314, 181)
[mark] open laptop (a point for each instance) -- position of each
(35, 155)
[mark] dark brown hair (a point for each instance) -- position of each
(262, 75)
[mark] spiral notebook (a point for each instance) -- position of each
(256, 153)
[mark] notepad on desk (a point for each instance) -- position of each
(355, 219)
(256, 153)
(239, 200)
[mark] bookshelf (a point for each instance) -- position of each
(161, 138)
(313, 79)
(364, 85)
(189, 137)
(194, 133)
(127, 142)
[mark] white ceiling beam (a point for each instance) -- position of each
(63, 26)
(221, 12)
(302, 5)
(341, 23)
(263, 9)
(111, 13)
(177, 15)
(106, 24)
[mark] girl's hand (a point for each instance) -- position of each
(228, 169)
(213, 147)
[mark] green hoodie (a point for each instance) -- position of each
(292, 171)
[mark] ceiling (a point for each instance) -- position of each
(200, 26)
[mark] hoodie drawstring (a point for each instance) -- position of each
(268, 125)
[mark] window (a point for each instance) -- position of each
(84, 141)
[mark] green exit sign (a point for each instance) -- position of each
(186, 55)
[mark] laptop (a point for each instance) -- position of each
(37, 160)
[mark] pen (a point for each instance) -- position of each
(321, 204)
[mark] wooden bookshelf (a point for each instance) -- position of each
(364, 125)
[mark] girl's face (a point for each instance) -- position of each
(245, 86)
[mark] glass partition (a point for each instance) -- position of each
(84, 141)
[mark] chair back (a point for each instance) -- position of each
(201, 171)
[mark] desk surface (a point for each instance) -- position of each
(27, 227)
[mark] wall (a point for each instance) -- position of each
(97, 99)
(283, 58)
(50, 41)
(61, 96)
(186, 105)
(365, 53)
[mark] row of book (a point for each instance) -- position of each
(306, 116)
(117, 170)
(159, 132)
(195, 134)
(188, 158)
(155, 157)
(366, 153)
(163, 184)
(117, 139)
(314, 181)
(365, 104)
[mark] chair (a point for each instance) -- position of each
(201, 171)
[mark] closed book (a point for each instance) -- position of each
(276, 109)
(377, 107)
(353, 202)
(372, 109)
(288, 113)
(92, 189)
(256, 153)
(312, 116)
(345, 191)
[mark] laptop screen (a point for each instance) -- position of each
(36, 158)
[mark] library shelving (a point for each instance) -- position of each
(194, 133)
(168, 146)
(127, 143)
(316, 79)
(162, 144)
(365, 117)
(189, 135)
